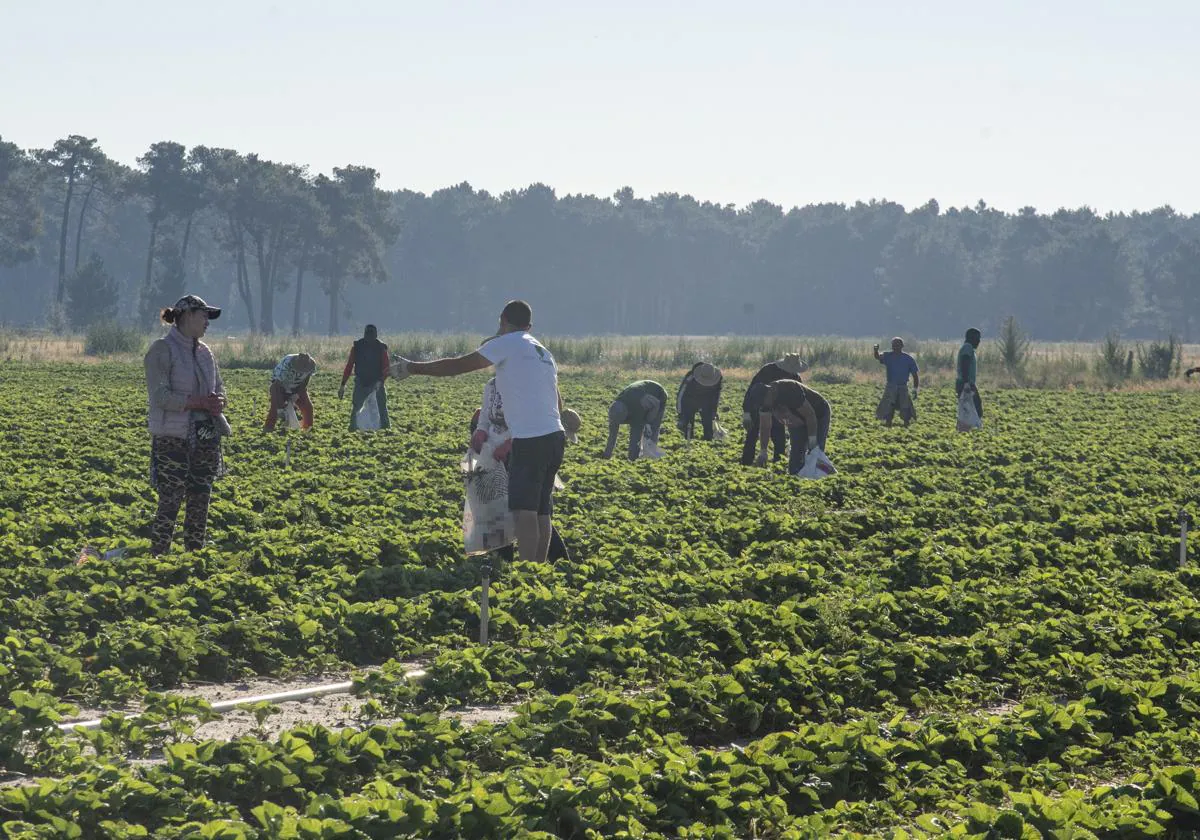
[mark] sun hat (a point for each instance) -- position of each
(707, 375)
(792, 364)
(571, 422)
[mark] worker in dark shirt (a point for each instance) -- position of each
(789, 367)
(699, 393)
(803, 411)
(370, 364)
(642, 405)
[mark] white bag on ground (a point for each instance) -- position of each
(487, 521)
(290, 419)
(368, 418)
(650, 448)
(817, 465)
(719, 432)
(968, 418)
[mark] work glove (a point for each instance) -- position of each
(761, 460)
(747, 420)
(399, 369)
(342, 392)
(914, 394)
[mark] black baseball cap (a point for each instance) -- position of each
(188, 303)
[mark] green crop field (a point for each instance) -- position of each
(982, 635)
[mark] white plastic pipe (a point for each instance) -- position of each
(222, 706)
(1183, 534)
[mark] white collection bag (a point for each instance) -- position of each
(968, 418)
(290, 419)
(367, 418)
(817, 465)
(719, 432)
(487, 522)
(650, 448)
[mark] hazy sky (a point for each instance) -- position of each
(1046, 103)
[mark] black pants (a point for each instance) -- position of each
(958, 389)
(532, 466)
(779, 437)
(687, 420)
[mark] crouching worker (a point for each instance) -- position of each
(900, 366)
(642, 405)
(801, 410)
(699, 393)
(789, 367)
(289, 387)
(489, 425)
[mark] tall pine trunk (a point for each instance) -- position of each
(148, 285)
(300, 269)
(243, 276)
(266, 296)
(187, 236)
(62, 237)
(335, 292)
(87, 199)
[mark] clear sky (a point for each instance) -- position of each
(1046, 103)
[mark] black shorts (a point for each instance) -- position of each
(531, 470)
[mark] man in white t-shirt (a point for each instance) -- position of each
(527, 379)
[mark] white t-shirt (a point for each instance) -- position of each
(527, 379)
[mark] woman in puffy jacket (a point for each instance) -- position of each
(187, 421)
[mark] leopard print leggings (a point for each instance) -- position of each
(181, 472)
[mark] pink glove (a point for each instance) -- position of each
(478, 439)
(503, 449)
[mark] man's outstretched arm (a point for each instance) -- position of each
(454, 366)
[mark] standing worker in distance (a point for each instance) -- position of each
(900, 366)
(370, 364)
(642, 405)
(527, 381)
(699, 393)
(789, 367)
(187, 421)
(289, 384)
(966, 367)
(800, 409)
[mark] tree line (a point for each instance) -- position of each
(84, 238)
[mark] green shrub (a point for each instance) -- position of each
(1160, 359)
(109, 338)
(1116, 361)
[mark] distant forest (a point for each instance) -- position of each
(84, 238)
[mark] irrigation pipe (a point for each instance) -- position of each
(223, 706)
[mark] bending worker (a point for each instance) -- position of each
(789, 367)
(800, 409)
(642, 405)
(699, 393)
(289, 384)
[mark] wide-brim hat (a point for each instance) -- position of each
(190, 303)
(792, 363)
(707, 375)
(571, 423)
